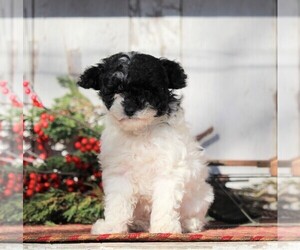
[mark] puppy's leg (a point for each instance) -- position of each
(141, 217)
(119, 205)
(167, 197)
(194, 208)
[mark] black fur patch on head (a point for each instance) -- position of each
(142, 80)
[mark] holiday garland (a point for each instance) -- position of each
(11, 177)
(61, 174)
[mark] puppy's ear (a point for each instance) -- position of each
(175, 73)
(92, 77)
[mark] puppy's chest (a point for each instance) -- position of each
(140, 156)
(136, 159)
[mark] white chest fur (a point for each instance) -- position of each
(159, 150)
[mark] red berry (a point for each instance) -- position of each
(41, 133)
(10, 184)
(17, 188)
(53, 176)
(34, 98)
(92, 140)
(88, 147)
(11, 176)
(36, 128)
(44, 116)
(29, 192)
(68, 158)
(3, 83)
(19, 177)
(43, 156)
(56, 185)
(33, 176)
(84, 141)
(16, 128)
(38, 188)
(45, 124)
(7, 192)
(31, 185)
(27, 91)
(77, 145)
(45, 177)
(5, 91)
(76, 159)
(39, 178)
(25, 83)
(82, 149)
(51, 118)
(98, 174)
(13, 97)
(46, 184)
(70, 182)
(96, 149)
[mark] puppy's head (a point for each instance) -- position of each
(136, 88)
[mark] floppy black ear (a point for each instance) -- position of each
(175, 73)
(92, 77)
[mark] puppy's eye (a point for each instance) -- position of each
(120, 88)
(120, 67)
(113, 82)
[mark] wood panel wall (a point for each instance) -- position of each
(229, 52)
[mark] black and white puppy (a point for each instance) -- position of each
(153, 171)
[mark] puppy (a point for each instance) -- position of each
(153, 170)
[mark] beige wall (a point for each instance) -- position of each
(288, 79)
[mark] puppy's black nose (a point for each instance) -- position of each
(129, 111)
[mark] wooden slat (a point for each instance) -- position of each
(288, 30)
(153, 30)
(296, 167)
(6, 38)
(11, 44)
(70, 41)
(231, 64)
(29, 52)
(241, 163)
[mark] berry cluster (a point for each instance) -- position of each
(37, 183)
(77, 162)
(18, 129)
(42, 138)
(11, 183)
(69, 150)
(85, 144)
(12, 97)
(34, 98)
(98, 178)
(73, 184)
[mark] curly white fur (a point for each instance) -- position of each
(153, 174)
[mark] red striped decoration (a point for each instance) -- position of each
(81, 233)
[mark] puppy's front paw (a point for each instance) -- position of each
(167, 227)
(103, 227)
